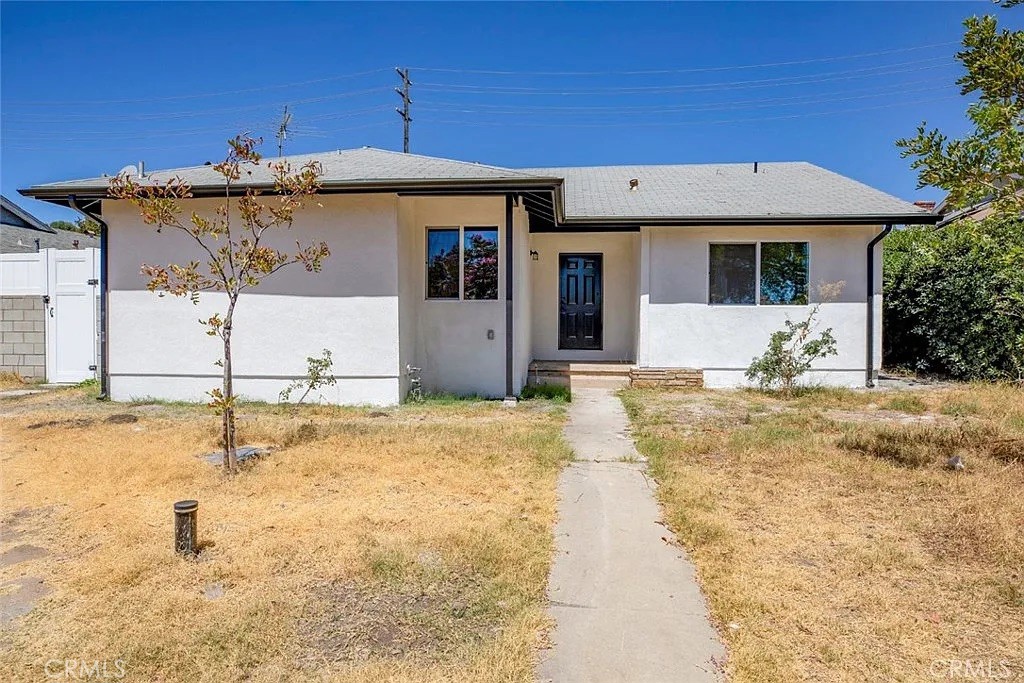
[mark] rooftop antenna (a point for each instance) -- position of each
(282, 130)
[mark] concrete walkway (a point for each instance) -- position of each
(625, 601)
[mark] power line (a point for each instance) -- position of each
(147, 100)
(652, 72)
(654, 109)
(885, 90)
(808, 79)
(630, 124)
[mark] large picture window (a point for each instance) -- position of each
(768, 273)
(462, 263)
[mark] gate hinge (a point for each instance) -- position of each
(92, 281)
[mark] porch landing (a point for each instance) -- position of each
(576, 375)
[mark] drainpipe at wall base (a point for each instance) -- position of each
(870, 380)
(104, 375)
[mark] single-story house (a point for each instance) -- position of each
(486, 278)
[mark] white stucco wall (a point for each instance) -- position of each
(678, 328)
(620, 293)
(159, 350)
(452, 345)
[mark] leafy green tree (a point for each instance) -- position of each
(233, 242)
(954, 297)
(989, 162)
(86, 226)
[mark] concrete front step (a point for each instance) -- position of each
(610, 375)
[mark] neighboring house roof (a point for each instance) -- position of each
(17, 240)
(13, 215)
(21, 232)
(679, 194)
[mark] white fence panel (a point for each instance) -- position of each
(23, 274)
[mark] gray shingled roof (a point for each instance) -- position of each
(19, 231)
(18, 240)
(366, 165)
(688, 192)
(784, 189)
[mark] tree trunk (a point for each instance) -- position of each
(230, 453)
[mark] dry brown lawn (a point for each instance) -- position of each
(831, 540)
(407, 544)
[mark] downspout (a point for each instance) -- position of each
(509, 332)
(104, 374)
(870, 379)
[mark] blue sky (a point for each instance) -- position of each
(88, 88)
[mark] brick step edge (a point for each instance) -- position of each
(666, 377)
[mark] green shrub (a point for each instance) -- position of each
(954, 299)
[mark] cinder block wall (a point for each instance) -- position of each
(23, 336)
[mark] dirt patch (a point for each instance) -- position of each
(122, 419)
(354, 622)
(21, 553)
(15, 525)
(73, 423)
(18, 597)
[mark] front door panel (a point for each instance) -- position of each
(579, 292)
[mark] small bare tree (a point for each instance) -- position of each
(236, 257)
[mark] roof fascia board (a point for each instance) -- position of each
(698, 221)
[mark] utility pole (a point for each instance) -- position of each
(282, 130)
(403, 92)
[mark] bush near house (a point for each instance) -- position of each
(954, 299)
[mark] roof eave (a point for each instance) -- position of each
(59, 194)
(689, 221)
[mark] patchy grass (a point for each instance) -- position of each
(12, 380)
(554, 392)
(830, 540)
(405, 544)
(907, 403)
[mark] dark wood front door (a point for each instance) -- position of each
(579, 297)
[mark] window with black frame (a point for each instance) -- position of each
(443, 263)
(462, 263)
(732, 274)
(765, 273)
(784, 273)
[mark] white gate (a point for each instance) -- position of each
(72, 283)
(68, 281)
